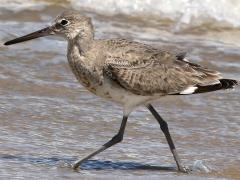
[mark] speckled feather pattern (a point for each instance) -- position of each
(145, 70)
(133, 69)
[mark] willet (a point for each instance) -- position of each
(127, 72)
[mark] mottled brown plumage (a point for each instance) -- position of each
(147, 71)
(128, 72)
(144, 70)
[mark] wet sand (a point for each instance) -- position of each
(48, 120)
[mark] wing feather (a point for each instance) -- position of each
(153, 77)
(145, 70)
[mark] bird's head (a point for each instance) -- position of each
(69, 24)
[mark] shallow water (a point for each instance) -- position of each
(48, 120)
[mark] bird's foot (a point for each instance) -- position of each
(184, 169)
(76, 165)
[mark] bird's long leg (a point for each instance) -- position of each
(164, 128)
(116, 139)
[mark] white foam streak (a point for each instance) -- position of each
(194, 12)
(184, 13)
(20, 5)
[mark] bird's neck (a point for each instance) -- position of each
(83, 41)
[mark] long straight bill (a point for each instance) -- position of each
(43, 32)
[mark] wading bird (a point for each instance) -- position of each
(128, 72)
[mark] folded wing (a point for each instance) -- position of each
(164, 74)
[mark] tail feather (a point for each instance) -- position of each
(228, 83)
(224, 84)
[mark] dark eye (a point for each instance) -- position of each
(64, 22)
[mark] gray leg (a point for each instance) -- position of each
(164, 128)
(116, 139)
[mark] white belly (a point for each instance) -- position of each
(111, 91)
